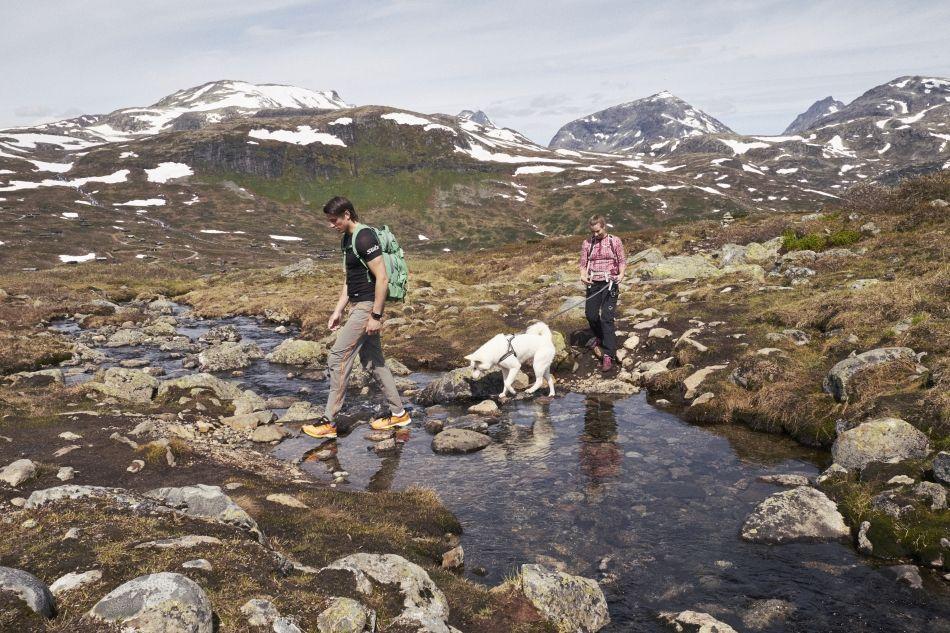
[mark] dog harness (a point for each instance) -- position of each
(511, 349)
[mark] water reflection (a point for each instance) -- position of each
(600, 453)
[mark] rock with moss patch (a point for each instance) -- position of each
(800, 514)
(345, 615)
(165, 602)
(298, 352)
(880, 440)
(228, 356)
(840, 381)
(207, 502)
(695, 622)
(29, 589)
(681, 267)
(571, 603)
(221, 388)
(130, 385)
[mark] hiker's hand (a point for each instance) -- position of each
(585, 279)
(334, 322)
(373, 326)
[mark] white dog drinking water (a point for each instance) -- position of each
(508, 352)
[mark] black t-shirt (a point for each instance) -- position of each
(360, 282)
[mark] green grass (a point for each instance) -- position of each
(818, 241)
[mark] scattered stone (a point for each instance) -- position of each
(72, 580)
(692, 382)
(273, 433)
(768, 351)
(703, 398)
(143, 428)
(345, 615)
(942, 467)
(65, 473)
(660, 333)
(229, 356)
(18, 472)
(28, 588)
(785, 479)
(198, 563)
(764, 614)
(221, 389)
(695, 622)
(378, 436)
(165, 602)
(301, 412)
(249, 402)
(298, 352)
(681, 267)
(18, 502)
(831, 471)
(130, 385)
(647, 325)
(69, 436)
(385, 446)
(880, 440)
(571, 603)
(454, 558)
(864, 543)
(287, 500)
(485, 407)
(631, 343)
(458, 385)
(181, 542)
(936, 493)
(248, 421)
(839, 380)
(800, 514)
(121, 439)
(71, 534)
(29, 524)
(900, 480)
(205, 501)
(907, 574)
(434, 426)
(459, 441)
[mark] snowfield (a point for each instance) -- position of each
(150, 202)
(66, 259)
(305, 135)
(538, 169)
(168, 171)
(286, 238)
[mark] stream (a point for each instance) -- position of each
(618, 491)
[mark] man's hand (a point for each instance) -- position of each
(585, 279)
(373, 326)
(334, 323)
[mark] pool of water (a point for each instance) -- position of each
(617, 490)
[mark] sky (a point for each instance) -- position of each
(532, 66)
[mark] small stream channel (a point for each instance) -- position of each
(619, 491)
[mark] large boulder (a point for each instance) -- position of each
(156, 603)
(29, 589)
(228, 356)
(131, 385)
(40, 498)
(571, 603)
(681, 267)
(299, 352)
(695, 622)
(459, 441)
(840, 379)
(458, 385)
(207, 502)
(880, 440)
(18, 472)
(222, 389)
(424, 605)
(800, 514)
(304, 268)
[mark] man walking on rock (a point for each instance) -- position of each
(602, 266)
(365, 288)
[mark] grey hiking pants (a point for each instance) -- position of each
(352, 340)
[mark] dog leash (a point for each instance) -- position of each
(580, 303)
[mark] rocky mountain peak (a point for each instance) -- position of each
(657, 122)
(216, 95)
(817, 110)
(477, 116)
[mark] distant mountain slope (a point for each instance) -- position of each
(656, 122)
(817, 110)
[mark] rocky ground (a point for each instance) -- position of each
(831, 327)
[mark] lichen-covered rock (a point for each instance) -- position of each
(272, 433)
(800, 514)
(205, 501)
(345, 615)
(221, 389)
(681, 267)
(127, 337)
(840, 379)
(73, 580)
(458, 385)
(880, 440)
(156, 603)
(304, 268)
(942, 467)
(298, 352)
(40, 378)
(28, 588)
(695, 622)
(249, 402)
(131, 385)
(301, 412)
(248, 421)
(221, 334)
(228, 356)
(485, 407)
(424, 605)
(360, 377)
(571, 603)
(459, 441)
(39, 498)
(15, 473)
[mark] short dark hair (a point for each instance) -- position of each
(339, 205)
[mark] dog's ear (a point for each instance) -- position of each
(470, 358)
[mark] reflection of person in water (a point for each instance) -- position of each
(382, 479)
(600, 454)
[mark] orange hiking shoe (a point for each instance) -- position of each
(326, 430)
(391, 422)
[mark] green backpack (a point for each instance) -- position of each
(393, 258)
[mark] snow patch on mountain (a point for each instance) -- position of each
(304, 135)
(168, 171)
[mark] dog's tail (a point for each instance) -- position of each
(539, 329)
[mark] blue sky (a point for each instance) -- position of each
(531, 65)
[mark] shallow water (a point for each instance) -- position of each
(618, 491)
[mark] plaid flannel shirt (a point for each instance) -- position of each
(605, 257)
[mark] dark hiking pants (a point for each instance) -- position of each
(600, 315)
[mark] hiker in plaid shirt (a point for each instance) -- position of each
(602, 266)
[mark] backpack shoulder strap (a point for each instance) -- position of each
(356, 231)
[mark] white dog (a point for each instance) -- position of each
(508, 352)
